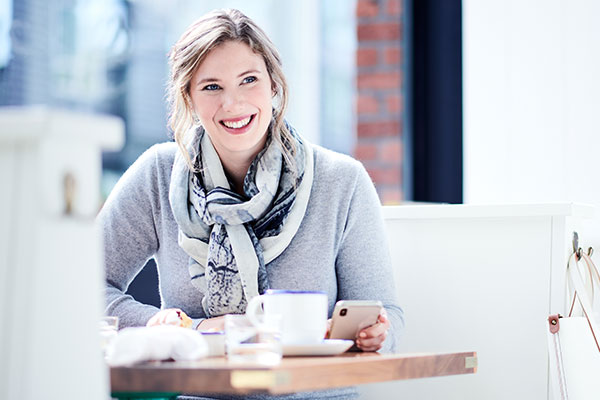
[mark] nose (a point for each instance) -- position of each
(232, 101)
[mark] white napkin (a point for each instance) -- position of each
(161, 342)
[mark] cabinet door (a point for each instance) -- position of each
(478, 284)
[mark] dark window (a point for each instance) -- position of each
(436, 100)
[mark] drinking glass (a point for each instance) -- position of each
(247, 343)
(108, 331)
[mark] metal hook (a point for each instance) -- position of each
(69, 192)
(590, 251)
(576, 248)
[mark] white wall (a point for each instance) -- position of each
(532, 102)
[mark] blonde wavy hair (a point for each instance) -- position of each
(200, 38)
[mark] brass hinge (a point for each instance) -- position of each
(471, 362)
(242, 379)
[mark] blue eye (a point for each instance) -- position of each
(249, 79)
(211, 87)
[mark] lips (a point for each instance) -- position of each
(238, 125)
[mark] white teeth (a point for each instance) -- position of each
(237, 124)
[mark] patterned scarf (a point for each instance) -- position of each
(230, 238)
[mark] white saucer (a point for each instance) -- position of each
(328, 347)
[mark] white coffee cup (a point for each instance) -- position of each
(303, 314)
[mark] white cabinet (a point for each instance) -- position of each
(51, 273)
(481, 278)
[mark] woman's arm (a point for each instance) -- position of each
(363, 265)
(127, 226)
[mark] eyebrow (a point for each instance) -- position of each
(206, 80)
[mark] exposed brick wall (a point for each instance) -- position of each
(379, 102)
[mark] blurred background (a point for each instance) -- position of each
(352, 66)
(473, 101)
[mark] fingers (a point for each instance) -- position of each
(371, 344)
(169, 316)
(372, 338)
(383, 315)
(383, 318)
(215, 324)
(377, 329)
(154, 320)
(328, 328)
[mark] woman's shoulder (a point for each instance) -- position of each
(143, 187)
(339, 177)
(332, 160)
(155, 161)
(153, 167)
(330, 164)
(162, 154)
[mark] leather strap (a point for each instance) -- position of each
(576, 283)
(593, 272)
(554, 323)
(583, 270)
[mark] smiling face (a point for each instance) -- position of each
(231, 93)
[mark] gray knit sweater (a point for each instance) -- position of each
(340, 247)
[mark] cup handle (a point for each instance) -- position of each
(252, 310)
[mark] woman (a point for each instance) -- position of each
(242, 203)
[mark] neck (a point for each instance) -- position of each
(236, 164)
(236, 171)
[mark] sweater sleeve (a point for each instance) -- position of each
(363, 264)
(127, 225)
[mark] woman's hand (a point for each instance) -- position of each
(371, 338)
(215, 324)
(170, 316)
(328, 329)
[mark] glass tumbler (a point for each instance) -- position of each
(108, 332)
(249, 344)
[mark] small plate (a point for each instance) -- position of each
(328, 347)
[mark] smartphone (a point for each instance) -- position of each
(351, 316)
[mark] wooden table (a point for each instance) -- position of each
(294, 374)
